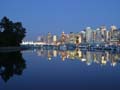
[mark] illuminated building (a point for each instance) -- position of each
(107, 37)
(103, 33)
(78, 39)
(112, 29)
(114, 35)
(89, 35)
(49, 38)
(72, 38)
(83, 36)
(54, 39)
(94, 36)
(63, 38)
(98, 36)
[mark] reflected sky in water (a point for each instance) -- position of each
(65, 70)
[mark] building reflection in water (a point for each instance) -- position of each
(11, 63)
(88, 57)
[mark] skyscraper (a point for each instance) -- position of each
(89, 35)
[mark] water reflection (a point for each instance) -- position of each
(88, 57)
(11, 63)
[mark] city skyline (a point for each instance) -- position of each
(102, 34)
(53, 16)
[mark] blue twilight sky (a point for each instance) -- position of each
(55, 16)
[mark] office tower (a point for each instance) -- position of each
(89, 35)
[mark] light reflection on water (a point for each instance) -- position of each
(59, 70)
(87, 57)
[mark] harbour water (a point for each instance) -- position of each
(59, 70)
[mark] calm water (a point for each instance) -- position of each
(59, 70)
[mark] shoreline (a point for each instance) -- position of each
(10, 49)
(60, 47)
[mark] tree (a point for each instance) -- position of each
(11, 34)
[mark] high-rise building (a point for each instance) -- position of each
(103, 33)
(63, 38)
(83, 36)
(107, 37)
(78, 39)
(72, 38)
(89, 35)
(114, 35)
(49, 38)
(98, 36)
(94, 36)
(113, 27)
(55, 39)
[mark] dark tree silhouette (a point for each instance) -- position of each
(11, 34)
